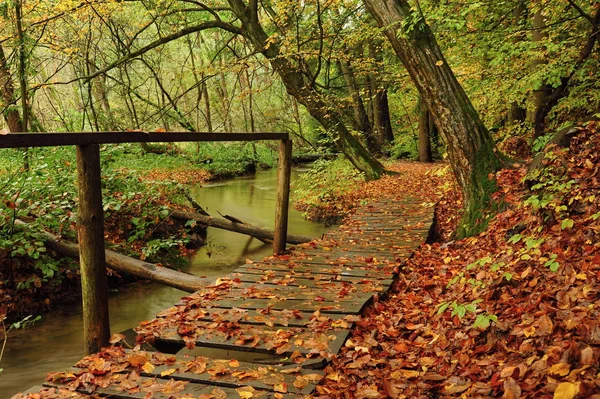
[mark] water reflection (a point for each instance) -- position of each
(56, 342)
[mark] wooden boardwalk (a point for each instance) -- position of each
(264, 330)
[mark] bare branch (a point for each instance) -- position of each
(162, 41)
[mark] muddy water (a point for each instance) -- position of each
(55, 343)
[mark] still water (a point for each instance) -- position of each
(55, 343)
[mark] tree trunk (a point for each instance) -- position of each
(540, 94)
(424, 138)
(361, 119)
(471, 150)
(517, 114)
(299, 86)
(382, 124)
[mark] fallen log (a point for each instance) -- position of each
(125, 264)
(242, 228)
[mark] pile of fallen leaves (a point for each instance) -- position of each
(513, 312)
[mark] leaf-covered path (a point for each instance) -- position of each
(292, 313)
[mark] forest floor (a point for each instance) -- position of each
(512, 312)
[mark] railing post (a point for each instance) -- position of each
(283, 195)
(90, 229)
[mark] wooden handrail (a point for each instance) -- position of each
(17, 140)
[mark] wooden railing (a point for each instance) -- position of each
(90, 223)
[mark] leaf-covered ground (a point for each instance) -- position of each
(513, 312)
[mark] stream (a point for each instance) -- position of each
(56, 342)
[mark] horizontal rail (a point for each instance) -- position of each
(16, 140)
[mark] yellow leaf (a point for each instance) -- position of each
(529, 331)
(439, 63)
(148, 367)
(167, 372)
(281, 387)
(234, 363)
(559, 369)
(565, 390)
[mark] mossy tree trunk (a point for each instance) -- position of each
(471, 150)
(299, 83)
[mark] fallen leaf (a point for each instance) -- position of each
(565, 390)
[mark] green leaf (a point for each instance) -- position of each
(442, 307)
(515, 239)
(567, 223)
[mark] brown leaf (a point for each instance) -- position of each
(116, 338)
(137, 360)
(512, 390)
(587, 356)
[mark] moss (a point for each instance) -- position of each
(479, 205)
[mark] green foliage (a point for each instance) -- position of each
(321, 190)
(405, 147)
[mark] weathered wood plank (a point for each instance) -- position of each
(312, 282)
(229, 373)
(90, 230)
(348, 308)
(260, 339)
(272, 317)
(283, 195)
(134, 386)
(303, 279)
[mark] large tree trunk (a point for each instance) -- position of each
(471, 150)
(299, 86)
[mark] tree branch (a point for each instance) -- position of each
(160, 42)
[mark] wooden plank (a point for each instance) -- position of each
(283, 195)
(381, 271)
(229, 288)
(286, 318)
(274, 292)
(260, 339)
(90, 230)
(322, 280)
(224, 372)
(348, 308)
(52, 139)
(134, 386)
(304, 279)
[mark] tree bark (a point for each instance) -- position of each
(125, 264)
(299, 86)
(424, 138)
(361, 119)
(382, 124)
(471, 150)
